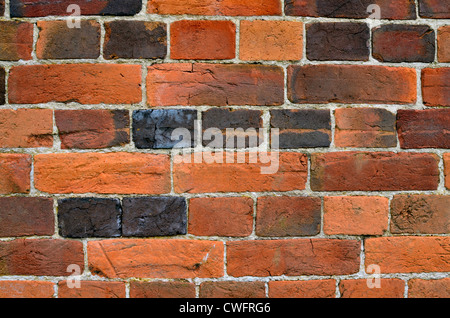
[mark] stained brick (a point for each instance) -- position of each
(434, 9)
(435, 86)
(15, 173)
(16, 40)
(2, 86)
(444, 44)
(172, 289)
(429, 288)
(26, 289)
(358, 288)
(232, 290)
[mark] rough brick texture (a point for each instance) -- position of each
(436, 87)
(434, 9)
(26, 289)
(92, 290)
(444, 44)
(15, 173)
(357, 288)
(303, 289)
(433, 288)
(232, 290)
(173, 289)
(16, 41)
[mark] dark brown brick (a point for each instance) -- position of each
(16, 40)
(404, 43)
(425, 214)
(22, 216)
(58, 41)
(34, 8)
(305, 128)
(435, 9)
(2, 7)
(337, 41)
(172, 289)
(135, 40)
(232, 290)
(92, 128)
(429, 128)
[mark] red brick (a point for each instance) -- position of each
(355, 215)
(365, 128)
(173, 289)
(351, 84)
(288, 216)
(156, 258)
(40, 257)
(26, 128)
(358, 288)
(92, 289)
(271, 40)
(23, 216)
(93, 128)
(444, 44)
(230, 216)
(428, 214)
(447, 170)
(26, 289)
(125, 173)
(15, 173)
(203, 40)
(213, 7)
(409, 254)
(303, 289)
(429, 128)
(434, 9)
(214, 84)
(401, 9)
(240, 177)
(374, 171)
(16, 40)
(233, 290)
(436, 87)
(433, 288)
(80, 83)
(281, 257)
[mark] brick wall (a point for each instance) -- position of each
(91, 178)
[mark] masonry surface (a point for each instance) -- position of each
(90, 176)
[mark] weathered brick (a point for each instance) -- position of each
(15, 173)
(271, 40)
(444, 44)
(301, 128)
(2, 86)
(172, 289)
(92, 289)
(153, 258)
(230, 289)
(374, 171)
(303, 289)
(280, 257)
(409, 254)
(153, 129)
(38, 8)
(365, 128)
(447, 170)
(401, 9)
(16, 40)
(26, 289)
(80, 83)
(342, 41)
(351, 84)
(214, 84)
(285, 172)
(358, 288)
(123, 173)
(428, 214)
(228, 216)
(362, 215)
(428, 128)
(89, 217)
(404, 43)
(434, 9)
(213, 7)
(21, 216)
(432, 288)
(436, 86)
(154, 216)
(40, 257)
(58, 41)
(244, 128)
(2, 7)
(26, 128)
(92, 128)
(202, 40)
(288, 216)
(135, 40)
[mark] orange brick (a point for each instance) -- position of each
(409, 254)
(444, 44)
(447, 170)
(26, 289)
(433, 288)
(271, 40)
(303, 289)
(26, 128)
(355, 215)
(233, 290)
(202, 40)
(175, 289)
(92, 289)
(228, 216)
(155, 258)
(436, 86)
(15, 173)
(125, 173)
(358, 288)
